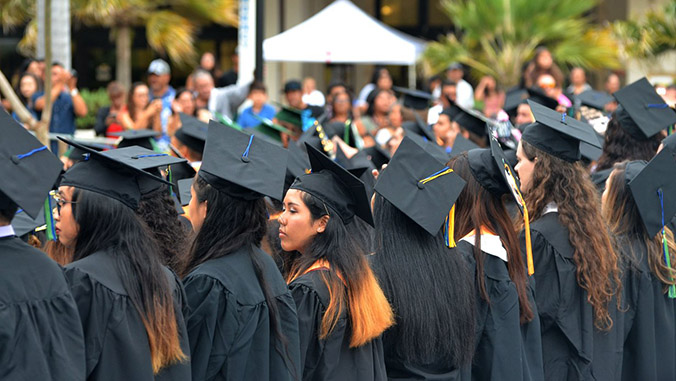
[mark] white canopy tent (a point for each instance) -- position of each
(343, 33)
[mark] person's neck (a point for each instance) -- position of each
(161, 91)
(257, 108)
(342, 117)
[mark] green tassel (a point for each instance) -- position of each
(49, 220)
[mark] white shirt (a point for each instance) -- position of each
(490, 244)
(315, 98)
(6, 231)
(464, 94)
(551, 208)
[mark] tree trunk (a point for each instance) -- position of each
(42, 128)
(123, 55)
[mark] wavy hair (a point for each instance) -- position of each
(618, 146)
(107, 224)
(475, 208)
(350, 280)
(158, 211)
(621, 212)
(568, 185)
(416, 271)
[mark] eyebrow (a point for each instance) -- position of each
(292, 203)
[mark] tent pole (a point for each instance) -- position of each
(411, 76)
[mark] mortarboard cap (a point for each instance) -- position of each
(558, 134)
(193, 133)
(513, 99)
(143, 138)
(595, 99)
(360, 166)
(646, 183)
(414, 99)
(298, 164)
(670, 143)
(592, 152)
(378, 156)
(419, 186)
(433, 149)
(420, 129)
(29, 170)
(108, 176)
(642, 113)
(342, 130)
(472, 121)
(290, 115)
(184, 194)
(243, 165)
(451, 112)
(336, 187)
(24, 224)
(272, 130)
(76, 153)
(460, 145)
(146, 160)
(536, 94)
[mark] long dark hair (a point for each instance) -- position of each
(619, 209)
(131, 107)
(568, 185)
(231, 224)
(349, 278)
(475, 208)
(107, 224)
(417, 271)
(618, 146)
(158, 211)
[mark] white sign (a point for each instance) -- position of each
(246, 40)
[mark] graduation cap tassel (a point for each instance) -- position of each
(529, 249)
(449, 228)
(665, 245)
(49, 219)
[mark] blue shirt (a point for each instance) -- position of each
(63, 115)
(247, 120)
(167, 98)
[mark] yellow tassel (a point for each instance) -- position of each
(450, 228)
(529, 250)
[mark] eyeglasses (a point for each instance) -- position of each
(60, 201)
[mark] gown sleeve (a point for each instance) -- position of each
(309, 310)
(212, 325)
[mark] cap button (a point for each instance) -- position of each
(421, 185)
(15, 159)
(245, 159)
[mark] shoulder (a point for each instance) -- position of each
(548, 233)
(310, 286)
(98, 268)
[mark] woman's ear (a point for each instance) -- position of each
(321, 226)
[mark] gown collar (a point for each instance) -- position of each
(551, 208)
(490, 243)
(6, 231)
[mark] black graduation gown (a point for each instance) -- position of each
(505, 349)
(332, 358)
(650, 325)
(230, 331)
(115, 337)
(566, 318)
(40, 333)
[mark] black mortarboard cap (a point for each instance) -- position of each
(432, 148)
(378, 156)
(342, 130)
(193, 133)
(414, 99)
(558, 134)
(471, 120)
(298, 164)
(146, 160)
(538, 95)
(418, 128)
(513, 99)
(460, 145)
(29, 170)
(76, 153)
(108, 176)
(658, 176)
(592, 152)
(451, 112)
(670, 143)
(243, 165)
(24, 224)
(316, 137)
(359, 165)
(595, 99)
(184, 194)
(336, 187)
(409, 183)
(141, 138)
(642, 113)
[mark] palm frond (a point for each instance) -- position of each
(171, 33)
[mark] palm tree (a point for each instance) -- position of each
(650, 35)
(170, 24)
(497, 37)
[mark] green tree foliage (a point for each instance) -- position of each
(650, 35)
(496, 37)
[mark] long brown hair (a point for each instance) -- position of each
(618, 145)
(475, 208)
(349, 279)
(579, 208)
(619, 209)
